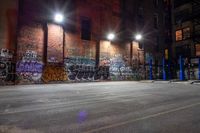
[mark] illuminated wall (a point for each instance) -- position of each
(8, 23)
(30, 50)
(51, 53)
(118, 58)
(55, 44)
(8, 26)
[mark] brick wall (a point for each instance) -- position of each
(8, 24)
(30, 50)
(55, 44)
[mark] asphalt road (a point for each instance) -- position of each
(104, 107)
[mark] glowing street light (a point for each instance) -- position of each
(138, 37)
(111, 36)
(58, 18)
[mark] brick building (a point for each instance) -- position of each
(8, 29)
(185, 15)
(185, 28)
(152, 19)
(78, 49)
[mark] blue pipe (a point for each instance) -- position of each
(199, 68)
(181, 68)
(150, 70)
(163, 67)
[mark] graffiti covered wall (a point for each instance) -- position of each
(54, 73)
(7, 67)
(122, 65)
(137, 62)
(29, 64)
(8, 26)
(80, 60)
(117, 58)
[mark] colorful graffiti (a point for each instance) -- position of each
(54, 73)
(29, 69)
(29, 56)
(7, 71)
(7, 66)
(119, 69)
(83, 69)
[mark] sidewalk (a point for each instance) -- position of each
(175, 81)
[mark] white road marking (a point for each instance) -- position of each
(143, 118)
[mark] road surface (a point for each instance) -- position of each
(103, 107)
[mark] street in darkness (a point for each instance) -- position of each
(102, 107)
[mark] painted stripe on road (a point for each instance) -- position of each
(142, 118)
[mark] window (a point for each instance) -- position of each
(197, 49)
(186, 33)
(183, 34)
(155, 2)
(85, 29)
(179, 35)
(155, 19)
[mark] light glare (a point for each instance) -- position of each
(58, 18)
(138, 37)
(111, 36)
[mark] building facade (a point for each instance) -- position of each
(185, 16)
(8, 35)
(77, 49)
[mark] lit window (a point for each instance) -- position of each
(186, 33)
(179, 35)
(197, 49)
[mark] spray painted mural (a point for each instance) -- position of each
(29, 66)
(137, 62)
(7, 67)
(80, 61)
(54, 73)
(117, 58)
(119, 69)
(83, 69)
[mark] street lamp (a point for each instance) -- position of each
(111, 36)
(58, 18)
(138, 37)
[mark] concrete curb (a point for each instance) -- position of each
(162, 81)
(146, 81)
(195, 82)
